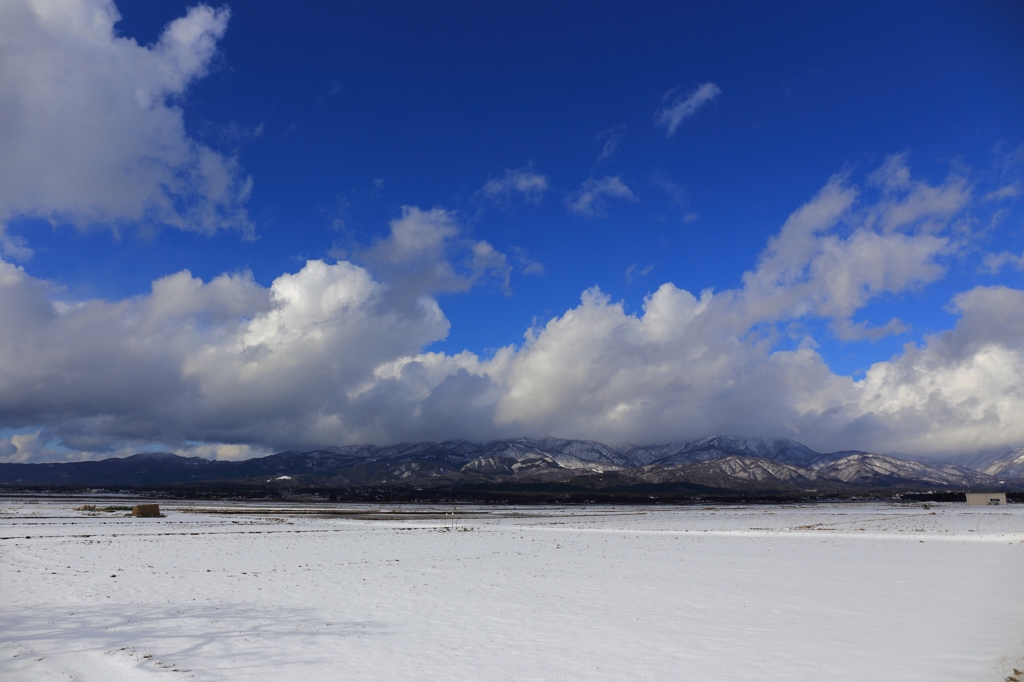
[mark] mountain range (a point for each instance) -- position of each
(719, 463)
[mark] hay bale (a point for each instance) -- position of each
(146, 510)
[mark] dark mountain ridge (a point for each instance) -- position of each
(721, 462)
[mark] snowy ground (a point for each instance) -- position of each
(817, 592)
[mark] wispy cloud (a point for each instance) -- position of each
(1004, 192)
(676, 108)
(590, 200)
(632, 272)
(529, 265)
(847, 330)
(994, 262)
(678, 197)
(521, 181)
(609, 140)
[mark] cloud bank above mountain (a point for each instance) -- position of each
(332, 354)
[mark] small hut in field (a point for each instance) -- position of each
(983, 499)
(146, 510)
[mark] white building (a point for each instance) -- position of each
(986, 498)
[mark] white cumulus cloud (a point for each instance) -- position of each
(419, 255)
(90, 129)
(203, 361)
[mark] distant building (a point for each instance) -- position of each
(986, 498)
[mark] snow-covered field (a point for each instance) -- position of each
(817, 592)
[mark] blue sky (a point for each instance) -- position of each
(585, 145)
